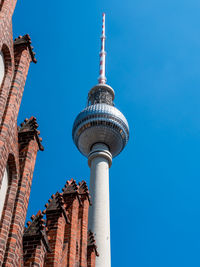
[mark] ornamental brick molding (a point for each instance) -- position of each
(28, 130)
(25, 41)
(58, 236)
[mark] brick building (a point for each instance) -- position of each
(57, 236)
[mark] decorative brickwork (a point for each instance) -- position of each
(26, 42)
(92, 250)
(63, 238)
(28, 147)
(17, 59)
(67, 224)
(58, 236)
(35, 242)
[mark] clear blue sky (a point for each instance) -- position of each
(153, 64)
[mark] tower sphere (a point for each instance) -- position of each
(100, 122)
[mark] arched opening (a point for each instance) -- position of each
(8, 185)
(2, 67)
(6, 76)
(6, 72)
(3, 190)
(1, 4)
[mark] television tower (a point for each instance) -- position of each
(100, 132)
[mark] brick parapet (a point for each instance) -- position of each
(35, 242)
(67, 227)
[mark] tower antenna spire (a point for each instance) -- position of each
(102, 76)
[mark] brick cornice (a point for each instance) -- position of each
(80, 190)
(28, 131)
(83, 191)
(25, 41)
(56, 204)
(37, 228)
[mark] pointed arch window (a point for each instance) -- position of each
(3, 190)
(2, 67)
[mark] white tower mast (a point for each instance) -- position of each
(102, 69)
(100, 132)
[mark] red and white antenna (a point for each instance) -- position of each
(102, 75)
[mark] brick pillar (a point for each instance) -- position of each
(35, 242)
(29, 143)
(56, 221)
(11, 91)
(23, 56)
(72, 233)
(72, 202)
(83, 215)
(92, 250)
(10, 102)
(91, 258)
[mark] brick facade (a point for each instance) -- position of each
(59, 235)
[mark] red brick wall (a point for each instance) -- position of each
(66, 229)
(56, 227)
(27, 162)
(62, 239)
(83, 215)
(7, 8)
(9, 205)
(35, 245)
(35, 252)
(17, 60)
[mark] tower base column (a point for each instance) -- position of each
(99, 160)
